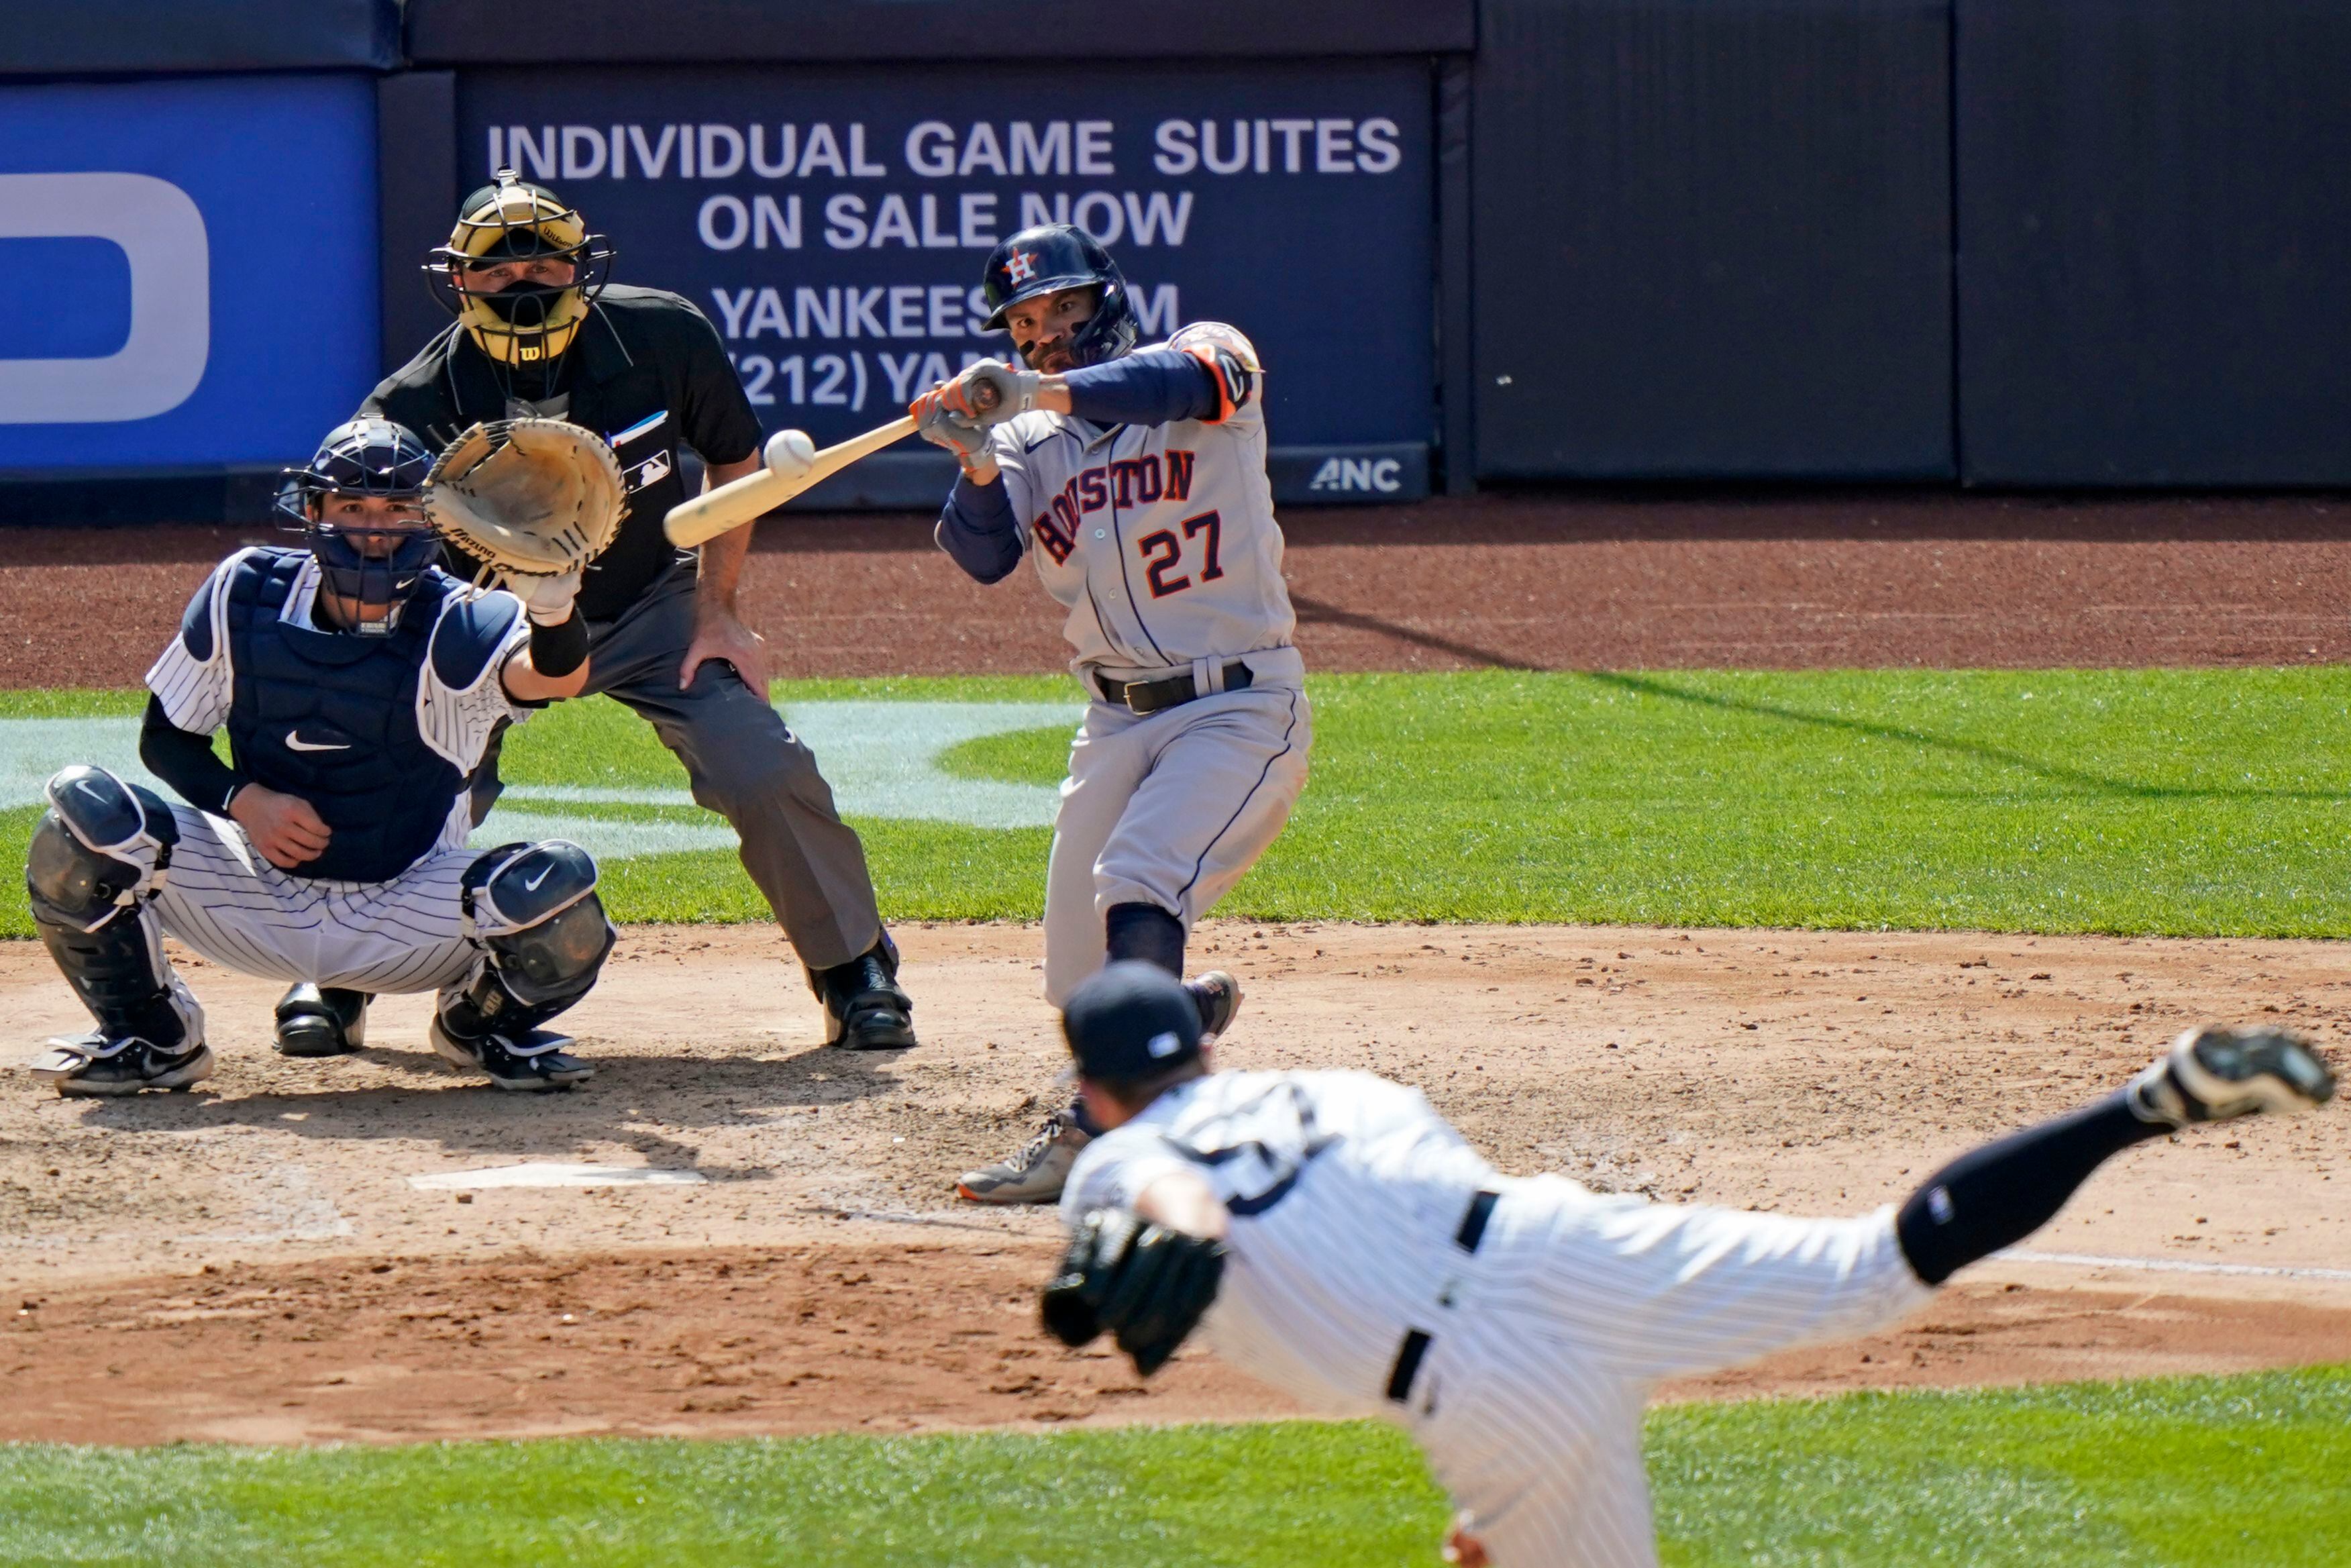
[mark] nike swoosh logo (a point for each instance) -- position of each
(294, 742)
(532, 885)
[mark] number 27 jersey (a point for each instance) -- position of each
(1160, 540)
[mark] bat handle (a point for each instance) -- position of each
(985, 396)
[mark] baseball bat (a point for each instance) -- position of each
(793, 468)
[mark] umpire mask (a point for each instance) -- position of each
(525, 322)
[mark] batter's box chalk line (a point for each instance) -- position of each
(882, 760)
(2171, 1265)
(538, 1174)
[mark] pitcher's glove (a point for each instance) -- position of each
(534, 500)
(1145, 1283)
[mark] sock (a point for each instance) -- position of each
(1147, 932)
(1997, 1195)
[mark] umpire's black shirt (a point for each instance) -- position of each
(646, 371)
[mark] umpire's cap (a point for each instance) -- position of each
(1132, 1022)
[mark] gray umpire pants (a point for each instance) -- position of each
(745, 765)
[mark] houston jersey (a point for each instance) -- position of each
(1159, 539)
(1345, 1191)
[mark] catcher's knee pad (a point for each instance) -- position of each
(534, 909)
(97, 851)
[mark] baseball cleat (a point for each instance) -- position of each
(526, 1063)
(89, 1064)
(315, 1021)
(1035, 1175)
(1217, 995)
(2216, 1074)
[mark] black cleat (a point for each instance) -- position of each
(1217, 995)
(528, 1062)
(86, 1065)
(315, 1022)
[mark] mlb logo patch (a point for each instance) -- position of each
(1163, 1044)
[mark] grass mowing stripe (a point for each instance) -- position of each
(2139, 801)
(2190, 1472)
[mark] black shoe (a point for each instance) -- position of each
(90, 1064)
(526, 1063)
(864, 1008)
(1217, 995)
(315, 1022)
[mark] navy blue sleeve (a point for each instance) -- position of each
(1157, 386)
(187, 762)
(978, 527)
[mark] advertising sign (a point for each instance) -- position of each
(833, 224)
(190, 268)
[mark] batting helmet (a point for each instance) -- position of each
(377, 560)
(1055, 257)
(511, 220)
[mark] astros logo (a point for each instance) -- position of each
(1023, 266)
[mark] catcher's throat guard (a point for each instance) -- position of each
(527, 497)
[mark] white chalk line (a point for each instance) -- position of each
(2171, 1265)
(881, 758)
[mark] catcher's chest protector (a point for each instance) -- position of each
(332, 718)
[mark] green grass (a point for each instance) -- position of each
(2148, 801)
(2244, 1472)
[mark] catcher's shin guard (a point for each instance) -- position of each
(96, 855)
(534, 911)
(865, 1008)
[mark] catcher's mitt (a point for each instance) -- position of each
(527, 497)
(1147, 1284)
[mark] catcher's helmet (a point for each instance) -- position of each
(510, 220)
(1052, 257)
(377, 560)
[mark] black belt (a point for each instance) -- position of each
(1169, 691)
(1416, 1344)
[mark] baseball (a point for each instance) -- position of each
(790, 453)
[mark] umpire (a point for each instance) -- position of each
(540, 331)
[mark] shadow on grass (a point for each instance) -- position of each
(2057, 772)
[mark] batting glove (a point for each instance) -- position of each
(989, 391)
(547, 600)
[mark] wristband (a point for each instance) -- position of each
(556, 651)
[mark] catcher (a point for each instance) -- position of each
(358, 685)
(1360, 1256)
(540, 331)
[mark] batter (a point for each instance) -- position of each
(1347, 1245)
(1135, 479)
(360, 686)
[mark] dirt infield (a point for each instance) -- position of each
(252, 1262)
(1572, 581)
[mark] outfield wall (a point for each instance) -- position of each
(1995, 242)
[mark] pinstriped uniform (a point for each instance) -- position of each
(1161, 543)
(1539, 1346)
(225, 901)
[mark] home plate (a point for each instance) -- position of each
(539, 1175)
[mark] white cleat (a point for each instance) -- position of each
(2215, 1073)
